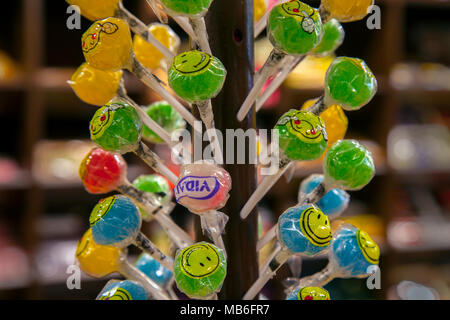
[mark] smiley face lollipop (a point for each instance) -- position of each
(294, 29)
(302, 230)
(200, 270)
(104, 172)
(345, 11)
(122, 290)
(309, 293)
(107, 45)
(302, 136)
(99, 261)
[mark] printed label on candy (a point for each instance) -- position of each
(118, 294)
(196, 187)
(301, 12)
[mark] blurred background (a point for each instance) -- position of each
(44, 208)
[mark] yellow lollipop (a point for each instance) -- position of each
(259, 9)
(344, 11)
(148, 54)
(336, 121)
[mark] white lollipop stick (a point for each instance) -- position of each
(261, 24)
(183, 22)
(207, 115)
(272, 233)
(213, 223)
(199, 27)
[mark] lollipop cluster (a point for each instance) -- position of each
(120, 126)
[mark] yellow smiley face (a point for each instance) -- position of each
(315, 225)
(101, 209)
(101, 121)
(116, 294)
(368, 247)
(313, 293)
(302, 13)
(199, 261)
(192, 62)
(305, 125)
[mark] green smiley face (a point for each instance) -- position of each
(199, 260)
(368, 247)
(315, 225)
(192, 62)
(101, 209)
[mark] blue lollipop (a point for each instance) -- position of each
(154, 270)
(116, 221)
(123, 290)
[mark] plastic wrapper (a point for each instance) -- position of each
(196, 76)
(189, 8)
(213, 223)
(156, 185)
(200, 270)
(202, 187)
(115, 221)
(95, 10)
(116, 127)
(348, 10)
(294, 28)
(333, 36)
(349, 83)
(102, 171)
(95, 86)
(304, 230)
(107, 44)
(154, 270)
(148, 54)
(302, 135)
(122, 290)
(166, 116)
(309, 293)
(348, 165)
(333, 203)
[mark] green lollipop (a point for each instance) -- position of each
(348, 165)
(156, 185)
(349, 83)
(183, 7)
(333, 36)
(164, 115)
(199, 270)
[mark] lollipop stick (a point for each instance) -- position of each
(272, 233)
(154, 162)
(132, 273)
(141, 29)
(289, 64)
(206, 114)
(184, 24)
(213, 223)
(272, 63)
(316, 194)
(318, 279)
(319, 106)
(260, 25)
(199, 27)
(263, 188)
(143, 243)
(177, 234)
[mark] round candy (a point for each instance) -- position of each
(154, 270)
(335, 121)
(333, 36)
(102, 171)
(95, 86)
(202, 187)
(97, 260)
(309, 293)
(190, 8)
(96, 10)
(107, 44)
(353, 252)
(200, 269)
(304, 229)
(348, 165)
(115, 221)
(164, 115)
(148, 54)
(196, 76)
(349, 83)
(348, 10)
(302, 135)
(333, 203)
(123, 290)
(294, 27)
(116, 127)
(156, 185)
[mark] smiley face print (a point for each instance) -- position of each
(305, 125)
(199, 260)
(368, 247)
(315, 225)
(302, 13)
(101, 209)
(116, 294)
(102, 120)
(313, 293)
(192, 62)
(91, 38)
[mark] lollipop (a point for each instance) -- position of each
(116, 221)
(156, 185)
(98, 10)
(122, 290)
(333, 36)
(104, 172)
(294, 29)
(204, 188)
(200, 270)
(302, 230)
(117, 127)
(345, 11)
(351, 255)
(302, 136)
(107, 45)
(99, 261)
(309, 293)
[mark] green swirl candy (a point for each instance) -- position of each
(116, 127)
(187, 7)
(333, 36)
(348, 165)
